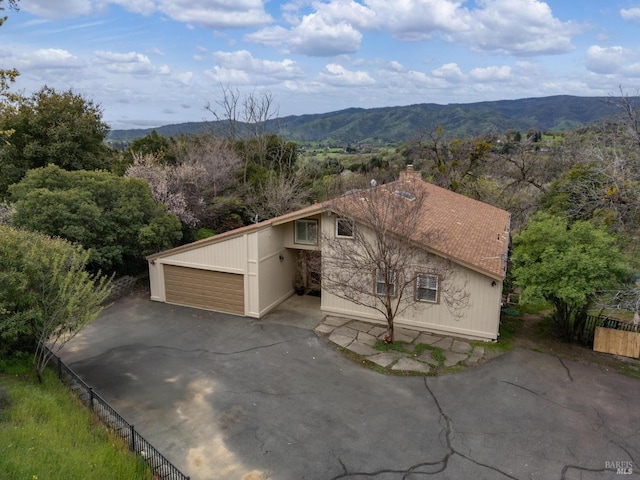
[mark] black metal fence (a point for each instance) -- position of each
(589, 329)
(161, 467)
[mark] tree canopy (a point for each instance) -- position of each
(46, 295)
(50, 127)
(115, 218)
(567, 265)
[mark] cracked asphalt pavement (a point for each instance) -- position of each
(233, 398)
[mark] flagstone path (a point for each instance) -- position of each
(425, 352)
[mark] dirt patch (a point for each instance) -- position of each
(537, 332)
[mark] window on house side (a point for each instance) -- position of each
(306, 232)
(344, 228)
(381, 283)
(427, 287)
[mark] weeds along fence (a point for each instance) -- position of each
(588, 331)
(161, 467)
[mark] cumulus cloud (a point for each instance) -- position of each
(449, 71)
(47, 59)
(516, 27)
(313, 36)
(606, 60)
(240, 67)
(129, 63)
(337, 75)
(414, 20)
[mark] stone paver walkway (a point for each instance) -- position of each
(424, 351)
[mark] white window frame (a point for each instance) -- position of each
(314, 232)
(380, 284)
(353, 226)
(428, 287)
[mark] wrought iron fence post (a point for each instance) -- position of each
(133, 439)
(59, 367)
(91, 398)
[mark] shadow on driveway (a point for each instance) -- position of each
(227, 397)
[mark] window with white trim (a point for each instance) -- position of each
(344, 228)
(306, 232)
(381, 283)
(427, 287)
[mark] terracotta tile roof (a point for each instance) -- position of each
(469, 231)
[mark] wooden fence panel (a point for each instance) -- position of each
(617, 342)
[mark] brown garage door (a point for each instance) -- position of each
(223, 292)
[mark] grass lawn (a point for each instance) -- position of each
(47, 434)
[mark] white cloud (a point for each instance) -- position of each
(207, 13)
(156, 51)
(143, 7)
(185, 78)
(490, 74)
(242, 68)
(312, 36)
(58, 8)
(354, 13)
(516, 27)
(337, 75)
(396, 66)
(316, 38)
(270, 36)
(217, 13)
(48, 58)
(414, 20)
(129, 63)
(606, 60)
(630, 14)
(449, 71)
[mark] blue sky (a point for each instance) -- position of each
(155, 62)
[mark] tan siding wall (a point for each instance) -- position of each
(480, 321)
(156, 282)
(276, 277)
(251, 290)
(229, 255)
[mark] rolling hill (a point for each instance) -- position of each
(393, 125)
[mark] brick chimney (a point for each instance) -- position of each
(410, 175)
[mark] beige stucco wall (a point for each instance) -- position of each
(480, 320)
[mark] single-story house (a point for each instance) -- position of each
(250, 270)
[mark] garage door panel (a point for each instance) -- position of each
(218, 291)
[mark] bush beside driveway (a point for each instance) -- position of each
(227, 397)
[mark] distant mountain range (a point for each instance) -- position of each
(394, 125)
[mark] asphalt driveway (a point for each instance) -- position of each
(226, 397)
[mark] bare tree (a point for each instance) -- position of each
(380, 263)
(211, 164)
(246, 119)
(626, 299)
(206, 168)
(163, 185)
